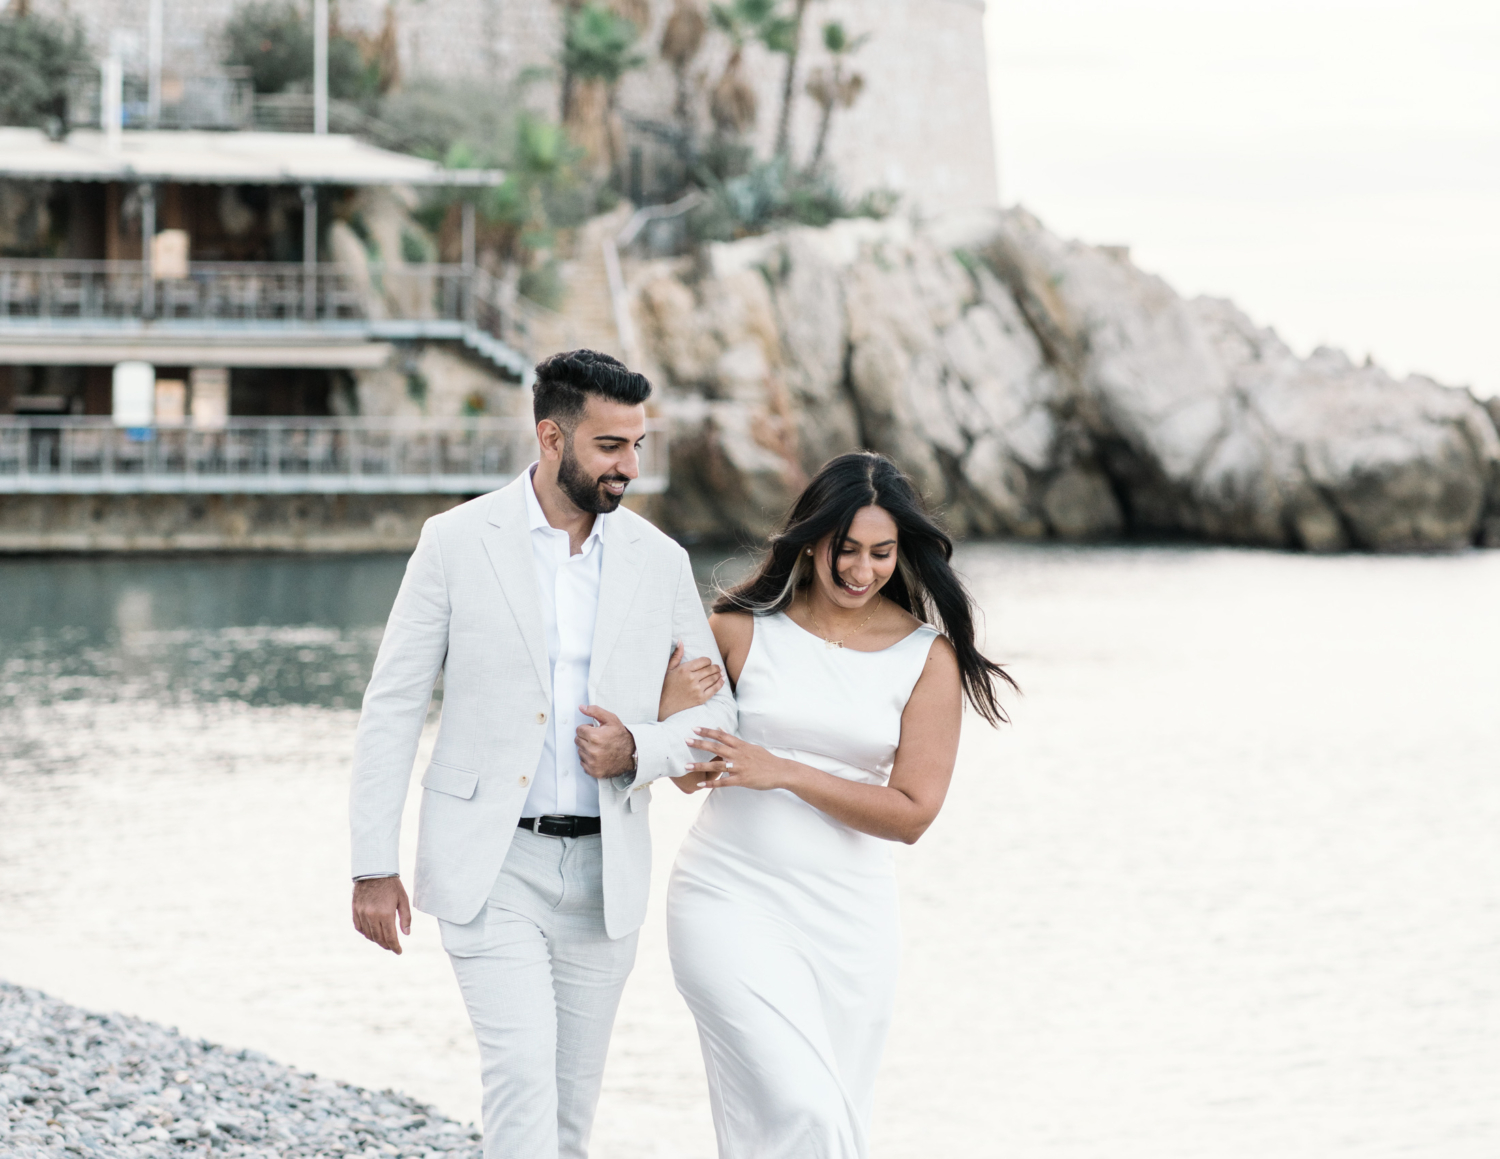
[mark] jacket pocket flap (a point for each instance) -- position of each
(640, 798)
(447, 779)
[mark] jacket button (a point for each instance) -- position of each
(541, 717)
(525, 780)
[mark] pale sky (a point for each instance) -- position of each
(1332, 166)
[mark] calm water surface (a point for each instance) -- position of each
(1228, 888)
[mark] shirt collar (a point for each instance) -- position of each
(536, 518)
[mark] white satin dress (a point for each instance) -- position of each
(782, 921)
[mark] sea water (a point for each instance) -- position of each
(1228, 885)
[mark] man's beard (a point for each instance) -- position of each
(587, 494)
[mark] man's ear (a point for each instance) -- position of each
(551, 438)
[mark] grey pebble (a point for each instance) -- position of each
(75, 1084)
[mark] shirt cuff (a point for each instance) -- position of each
(375, 876)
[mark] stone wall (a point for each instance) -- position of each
(109, 523)
(1038, 387)
(921, 126)
(35, 524)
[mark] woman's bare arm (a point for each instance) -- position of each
(688, 683)
(899, 811)
(733, 632)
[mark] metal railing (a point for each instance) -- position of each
(233, 293)
(294, 113)
(223, 100)
(73, 455)
(614, 275)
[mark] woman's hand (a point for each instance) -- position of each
(739, 763)
(688, 684)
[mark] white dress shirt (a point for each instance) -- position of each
(568, 591)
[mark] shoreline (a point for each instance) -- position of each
(77, 1082)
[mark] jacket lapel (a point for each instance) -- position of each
(618, 580)
(508, 544)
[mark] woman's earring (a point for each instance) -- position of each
(808, 550)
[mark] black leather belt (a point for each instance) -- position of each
(557, 825)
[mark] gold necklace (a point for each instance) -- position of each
(839, 643)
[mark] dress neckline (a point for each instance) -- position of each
(860, 651)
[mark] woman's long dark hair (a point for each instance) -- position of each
(923, 584)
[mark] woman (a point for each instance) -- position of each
(781, 912)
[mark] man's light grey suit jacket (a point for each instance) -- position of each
(468, 606)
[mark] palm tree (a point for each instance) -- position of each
(680, 41)
(834, 87)
(789, 41)
(732, 104)
(598, 46)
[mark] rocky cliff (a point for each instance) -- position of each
(1039, 387)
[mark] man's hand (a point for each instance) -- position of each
(378, 903)
(605, 749)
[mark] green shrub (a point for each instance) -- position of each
(274, 39)
(772, 194)
(542, 191)
(543, 285)
(434, 119)
(36, 56)
(597, 44)
(414, 249)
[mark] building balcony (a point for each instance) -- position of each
(467, 456)
(101, 312)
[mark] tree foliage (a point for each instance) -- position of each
(746, 20)
(36, 56)
(835, 87)
(553, 183)
(599, 45)
(466, 127)
(274, 39)
(772, 194)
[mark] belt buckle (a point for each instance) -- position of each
(555, 825)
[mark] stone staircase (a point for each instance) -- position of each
(587, 318)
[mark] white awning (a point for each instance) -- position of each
(164, 348)
(229, 158)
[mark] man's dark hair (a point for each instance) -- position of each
(564, 382)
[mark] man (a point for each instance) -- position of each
(552, 614)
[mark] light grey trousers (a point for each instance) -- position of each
(542, 983)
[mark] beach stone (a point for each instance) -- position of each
(75, 1082)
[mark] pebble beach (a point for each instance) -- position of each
(73, 1082)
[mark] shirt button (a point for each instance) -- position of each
(541, 717)
(525, 780)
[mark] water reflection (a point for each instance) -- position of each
(292, 630)
(261, 631)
